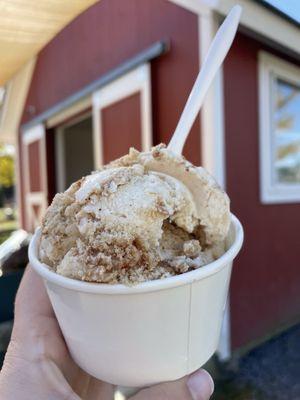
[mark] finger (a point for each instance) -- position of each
(35, 332)
(32, 298)
(198, 386)
(33, 311)
(98, 390)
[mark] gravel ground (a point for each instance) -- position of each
(269, 372)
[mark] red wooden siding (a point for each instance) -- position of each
(121, 127)
(34, 166)
(106, 35)
(266, 280)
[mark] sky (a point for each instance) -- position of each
(289, 7)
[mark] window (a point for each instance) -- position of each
(279, 92)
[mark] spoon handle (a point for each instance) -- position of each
(214, 59)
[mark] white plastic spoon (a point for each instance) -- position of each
(214, 59)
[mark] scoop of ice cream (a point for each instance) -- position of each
(211, 202)
(145, 216)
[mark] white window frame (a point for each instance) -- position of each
(135, 81)
(270, 68)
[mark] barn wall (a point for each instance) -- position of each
(123, 116)
(103, 37)
(106, 35)
(266, 279)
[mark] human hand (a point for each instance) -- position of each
(38, 365)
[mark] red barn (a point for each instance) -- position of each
(119, 76)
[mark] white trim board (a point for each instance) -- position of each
(270, 68)
(36, 199)
(33, 134)
(212, 111)
(265, 22)
(135, 81)
(199, 7)
(255, 17)
(213, 144)
(70, 112)
(14, 102)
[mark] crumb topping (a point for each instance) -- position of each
(145, 216)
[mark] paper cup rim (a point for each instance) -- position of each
(148, 286)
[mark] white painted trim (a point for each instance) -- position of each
(18, 177)
(213, 143)
(38, 199)
(137, 80)
(212, 111)
(35, 197)
(199, 7)
(14, 102)
(60, 164)
(97, 132)
(255, 17)
(31, 135)
(26, 187)
(270, 68)
(13, 106)
(76, 119)
(265, 22)
(66, 114)
(146, 109)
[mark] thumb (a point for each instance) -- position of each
(198, 386)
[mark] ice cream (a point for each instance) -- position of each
(148, 215)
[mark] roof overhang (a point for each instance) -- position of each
(27, 26)
(261, 20)
(256, 18)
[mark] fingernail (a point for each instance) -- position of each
(200, 385)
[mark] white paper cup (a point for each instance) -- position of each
(141, 335)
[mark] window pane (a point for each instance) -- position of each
(287, 132)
